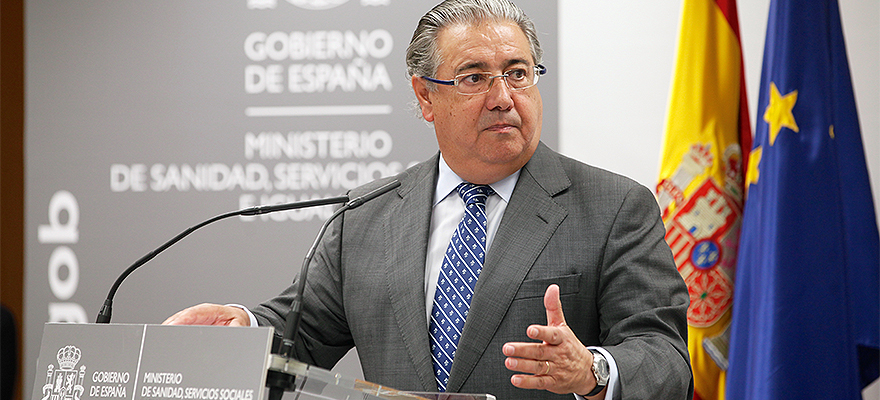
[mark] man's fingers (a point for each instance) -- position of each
(183, 317)
(553, 305)
(531, 351)
(171, 320)
(544, 382)
(528, 366)
(209, 314)
(557, 363)
(548, 334)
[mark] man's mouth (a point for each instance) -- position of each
(501, 127)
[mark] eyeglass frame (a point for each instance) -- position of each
(540, 69)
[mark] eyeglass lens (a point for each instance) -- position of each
(481, 82)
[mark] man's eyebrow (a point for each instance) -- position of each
(472, 65)
(484, 66)
(515, 62)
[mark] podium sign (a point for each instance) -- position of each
(118, 361)
(79, 361)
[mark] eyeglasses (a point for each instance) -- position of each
(473, 83)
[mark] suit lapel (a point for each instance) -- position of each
(407, 226)
(529, 221)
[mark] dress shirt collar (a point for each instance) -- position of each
(448, 180)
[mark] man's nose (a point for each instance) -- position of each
(499, 96)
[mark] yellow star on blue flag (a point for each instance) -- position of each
(779, 112)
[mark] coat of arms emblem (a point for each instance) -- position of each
(65, 383)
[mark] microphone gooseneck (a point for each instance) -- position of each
(281, 375)
(279, 378)
(107, 309)
(295, 313)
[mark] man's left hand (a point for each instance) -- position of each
(560, 363)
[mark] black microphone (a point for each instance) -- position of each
(295, 313)
(107, 309)
(280, 380)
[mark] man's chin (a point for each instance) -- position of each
(509, 154)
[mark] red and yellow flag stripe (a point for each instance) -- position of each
(700, 189)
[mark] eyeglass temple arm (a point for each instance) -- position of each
(440, 81)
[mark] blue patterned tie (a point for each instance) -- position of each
(458, 277)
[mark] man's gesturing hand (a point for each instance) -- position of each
(210, 314)
(560, 363)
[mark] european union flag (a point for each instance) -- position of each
(805, 314)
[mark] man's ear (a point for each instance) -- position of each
(423, 94)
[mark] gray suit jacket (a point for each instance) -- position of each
(597, 235)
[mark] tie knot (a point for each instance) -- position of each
(474, 194)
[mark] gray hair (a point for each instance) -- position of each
(422, 56)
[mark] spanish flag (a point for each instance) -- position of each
(701, 182)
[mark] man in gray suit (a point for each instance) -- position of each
(575, 272)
